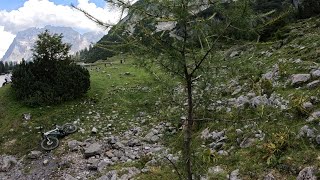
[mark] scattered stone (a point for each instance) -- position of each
(215, 170)
(308, 173)
(94, 130)
(315, 115)
(306, 131)
(269, 177)
(316, 73)
(92, 150)
(234, 54)
(242, 101)
(259, 100)
(102, 164)
(273, 74)
(234, 175)
(307, 105)
(223, 153)
(247, 142)
(68, 177)
(26, 116)
(45, 162)
(154, 138)
(93, 164)
(111, 175)
(34, 154)
(313, 84)
(6, 163)
(298, 79)
(74, 145)
(237, 91)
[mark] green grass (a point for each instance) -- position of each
(120, 91)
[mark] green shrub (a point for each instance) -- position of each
(51, 78)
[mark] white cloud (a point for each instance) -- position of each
(39, 13)
(6, 40)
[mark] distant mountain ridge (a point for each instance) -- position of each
(24, 41)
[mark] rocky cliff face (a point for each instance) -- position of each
(24, 41)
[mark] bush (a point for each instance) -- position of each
(51, 78)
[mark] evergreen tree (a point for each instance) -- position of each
(2, 70)
(179, 36)
(51, 78)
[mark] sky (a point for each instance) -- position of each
(18, 15)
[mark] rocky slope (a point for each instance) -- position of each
(257, 117)
(24, 41)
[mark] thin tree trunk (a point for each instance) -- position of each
(188, 129)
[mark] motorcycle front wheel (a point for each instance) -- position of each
(69, 128)
(49, 143)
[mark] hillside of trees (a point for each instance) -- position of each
(6, 67)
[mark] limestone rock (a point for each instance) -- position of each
(94, 130)
(316, 73)
(74, 145)
(234, 175)
(34, 154)
(6, 163)
(315, 115)
(111, 175)
(92, 150)
(234, 54)
(313, 84)
(307, 105)
(215, 170)
(298, 79)
(308, 173)
(247, 142)
(269, 177)
(306, 131)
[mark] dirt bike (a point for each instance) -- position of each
(50, 139)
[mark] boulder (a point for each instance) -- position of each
(315, 115)
(34, 154)
(234, 175)
(316, 73)
(92, 150)
(74, 145)
(247, 142)
(308, 173)
(6, 163)
(234, 54)
(307, 105)
(259, 100)
(298, 79)
(242, 101)
(313, 84)
(306, 131)
(93, 164)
